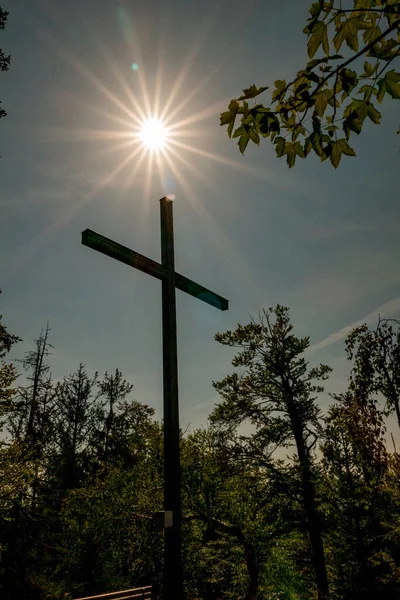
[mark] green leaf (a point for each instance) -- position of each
(298, 130)
(290, 154)
(243, 141)
(280, 85)
(317, 61)
(368, 91)
(321, 101)
(382, 90)
(319, 36)
(347, 32)
(369, 69)
(371, 34)
(240, 131)
(352, 123)
(230, 127)
(373, 114)
(315, 9)
(314, 63)
(348, 80)
(252, 92)
(298, 148)
(326, 151)
(346, 149)
(280, 146)
(328, 6)
(233, 105)
(254, 136)
(392, 82)
(312, 77)
(338, 148)
(269, 124)
(262, 109)
(385, 49)
(307, 146)
(354, 116)
(316, 123)
(315, 140)
(226, 117)
(336, 154)
(248, 120)
(362, 3)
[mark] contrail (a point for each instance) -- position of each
(387, 310)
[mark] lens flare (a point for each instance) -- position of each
(153, 134)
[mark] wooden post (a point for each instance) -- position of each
(173, 573)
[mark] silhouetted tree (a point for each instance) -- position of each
(8, 372)
(4, 59)
(276, 395)
(376, 368)
(75, 421)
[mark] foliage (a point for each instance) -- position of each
(362, 506)
(376, 355)
(334, 94)
(267, 485)
(74, 420)
(4, 60)
(227, 535)
(8, 372)
(275, 395)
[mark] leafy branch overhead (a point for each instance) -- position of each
(330, 98)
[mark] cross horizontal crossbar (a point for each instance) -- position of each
(99, 242)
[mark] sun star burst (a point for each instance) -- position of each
(153, 134)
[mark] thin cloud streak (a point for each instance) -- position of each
(387, 310)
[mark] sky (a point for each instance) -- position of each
(83, 74)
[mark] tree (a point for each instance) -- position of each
(376, 356)
(4, 60)
(225, 542)
(333, 95)
(75, 421)
(276, 395)
(108, 538)
(113, 389)
(361, 501)
(8, 373)
(29, 418)
(28, 423)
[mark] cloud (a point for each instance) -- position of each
(389, 309)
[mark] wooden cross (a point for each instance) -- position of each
(173, 574)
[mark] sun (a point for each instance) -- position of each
(153, 134)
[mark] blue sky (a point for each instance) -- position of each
(323, 242)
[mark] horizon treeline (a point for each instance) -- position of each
(81, 476)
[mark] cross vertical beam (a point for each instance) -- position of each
(173, 573)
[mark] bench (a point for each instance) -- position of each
(143, 593)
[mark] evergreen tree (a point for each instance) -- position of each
(75, 421)
(276, 394)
